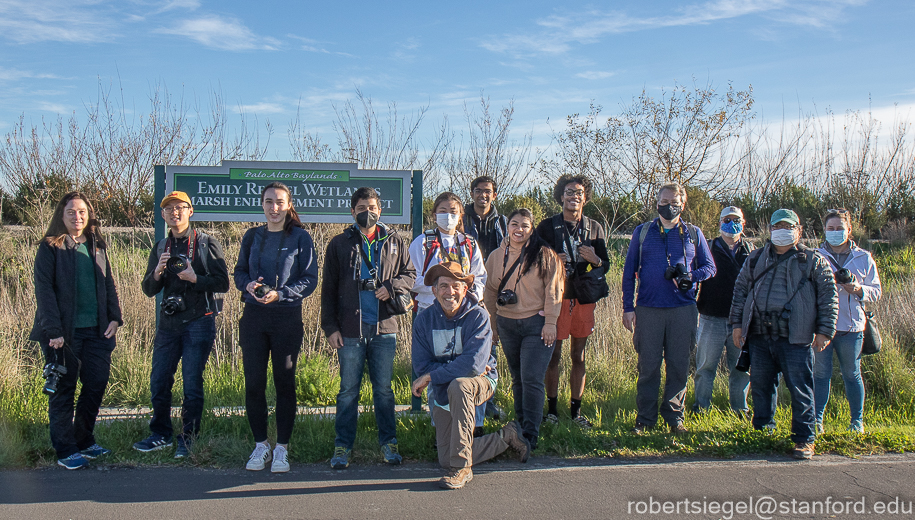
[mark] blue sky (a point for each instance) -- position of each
(267, 58)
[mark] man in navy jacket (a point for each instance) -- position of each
(669, 258)
(452, 350)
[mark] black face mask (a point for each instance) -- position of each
(366, 219)
(669, 211)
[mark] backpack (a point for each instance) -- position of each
(431, 244)
(214, 301)
(589, 286)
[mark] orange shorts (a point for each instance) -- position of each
(576, 320)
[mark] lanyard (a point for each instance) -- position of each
(191, 246)
(514, 266)
(367, 257)
(666, 243)
(260, 255)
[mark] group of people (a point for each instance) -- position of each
(475, 281)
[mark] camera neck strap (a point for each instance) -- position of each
(517, 262)
(191, 244)
(365, 250)
(279, 250)
(666, 243)
(580, 230)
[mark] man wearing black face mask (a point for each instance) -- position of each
(668, 257)
(366, 266)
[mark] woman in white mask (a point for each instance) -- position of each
(857, 282)
(446, 241)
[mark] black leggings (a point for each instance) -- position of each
(265, 332)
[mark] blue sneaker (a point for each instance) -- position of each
(391, 455)
(152, 443)
(75, 461)
(182, 448)
(95, 451)
(340, 460)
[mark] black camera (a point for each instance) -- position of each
(507, 297)
(679, 274)
(844, 276)
(51, 374)
(368, 284)
(743, 361)
(176, 264)
(173, 304)
(261, 290)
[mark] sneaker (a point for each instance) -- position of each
(93, 452)
(259, 457)
(856, 427)
(391, 454)
(803, 451)
(551, 418)
(492, 410)
(819, 429)
(75, 461)
(511, 434)
(678, 428)
(152, 443)
(456, 478)
(639, 428)
(583, 422)
(182, 448)
(340, 460)
(280, 460)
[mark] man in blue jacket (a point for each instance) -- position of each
(452, 350)
(669, 257)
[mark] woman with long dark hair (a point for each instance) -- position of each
(76, 321)
(524, 296)
(276, 269)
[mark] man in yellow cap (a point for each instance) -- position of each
(188, 268)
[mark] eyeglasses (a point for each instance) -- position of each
(729, 220)
(176, 209)
(478, 191)
(784, 225)
(839, 211)
(575, 193)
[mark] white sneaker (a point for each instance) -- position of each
(280, 460)
(259, 457)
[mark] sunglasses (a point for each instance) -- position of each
(729, 220)
(839, 211)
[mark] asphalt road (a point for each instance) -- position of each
(826, 487)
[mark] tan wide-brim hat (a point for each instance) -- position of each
(449, 269)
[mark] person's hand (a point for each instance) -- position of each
(253, 285)
(270, 297)
(737, 336)
(587, 253)
(160, 267)
(382, 294)
(336, 340)
(188, 275)
(56, 343)
(420, 384)
(548, 334)
(629, 321)
(853, 288)
(820, 341)
(111, 330)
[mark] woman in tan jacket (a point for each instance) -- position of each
(523, 295)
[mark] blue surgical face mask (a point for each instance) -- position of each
(836, 238)
(731, 229)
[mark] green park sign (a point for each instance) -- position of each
(321, 192)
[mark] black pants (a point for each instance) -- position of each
(270, 333)
(88, 360)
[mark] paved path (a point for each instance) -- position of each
(548, 488)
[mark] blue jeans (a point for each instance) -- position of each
(191, 346)
(847, 346)
(378, 350)
(768, 358)
(714, 337)
(527, 358)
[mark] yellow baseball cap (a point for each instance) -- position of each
(176, 195)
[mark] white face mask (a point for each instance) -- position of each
(836, 238)
(783, 237)
(447, 221)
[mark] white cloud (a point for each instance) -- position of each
(594, 74)
(260, 108)
(16, 74)
(56, 108)
(221, 33)
(78, 21)
(556, 34)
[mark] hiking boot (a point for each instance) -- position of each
(340, 460)
(75, 461)
(259, 457)
(511, 434)
(678, 428)
(583, 422)
(803, 451)
(280, 460)
(456, 478)
(492, 410)
(551, 418)
(93, 452)
(391, 453)
(153, 443)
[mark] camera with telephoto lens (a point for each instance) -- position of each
(176, 264)
(743, 361)
(173, 304)
(51, 374)
(261, 290)
(368, 284)
(844, 276)
(680, 275)
(507, 297)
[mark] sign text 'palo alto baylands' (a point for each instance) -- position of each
(321, 192)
